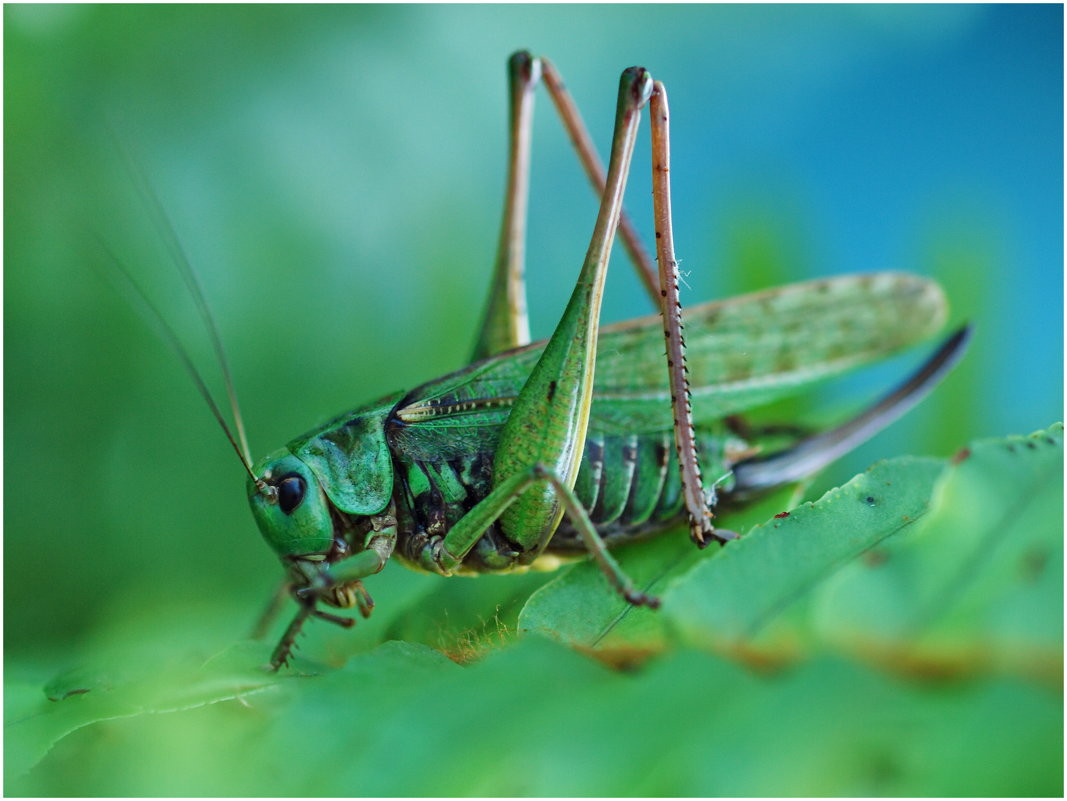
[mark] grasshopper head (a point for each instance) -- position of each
(290, 506)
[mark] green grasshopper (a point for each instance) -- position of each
(538, 451)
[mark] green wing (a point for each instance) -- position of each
(742, 353)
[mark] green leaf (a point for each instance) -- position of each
(734, 603)
(538, 719)
(980, 583)
(579, 608)
(124, 685)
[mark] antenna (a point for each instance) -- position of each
(185, 268)
(155, 319)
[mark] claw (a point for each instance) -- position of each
(344, 622)
(641, 599)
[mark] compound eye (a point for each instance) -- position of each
(290, 493)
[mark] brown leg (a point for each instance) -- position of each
(583, 144)
(700, 527)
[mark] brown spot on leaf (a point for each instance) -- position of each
(875, 558)
(1033, 563)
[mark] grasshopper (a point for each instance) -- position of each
(592, 438)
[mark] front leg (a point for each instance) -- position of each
(338, 584)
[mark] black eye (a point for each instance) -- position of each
(290, 493)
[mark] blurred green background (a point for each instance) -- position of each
(336, 173)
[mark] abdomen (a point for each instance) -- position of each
(629, 484)
(631, 487)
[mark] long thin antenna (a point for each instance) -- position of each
(185, 267)
(156, 320)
